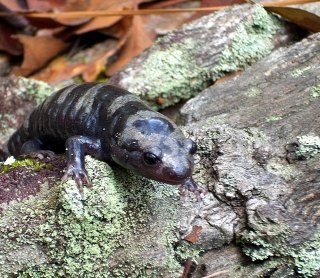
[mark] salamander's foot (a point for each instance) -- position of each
(190, 185)
(80, 176)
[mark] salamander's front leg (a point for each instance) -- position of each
(77, 147)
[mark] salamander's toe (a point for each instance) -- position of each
(80, 176)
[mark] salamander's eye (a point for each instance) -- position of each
(190, 145)
(150, 158)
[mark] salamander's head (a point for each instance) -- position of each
(155, 148)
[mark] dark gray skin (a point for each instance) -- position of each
(110, 124)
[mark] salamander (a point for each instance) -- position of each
(112, 125)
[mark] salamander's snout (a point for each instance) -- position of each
(178, 173)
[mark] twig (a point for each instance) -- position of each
(79, 14)
(216, 274)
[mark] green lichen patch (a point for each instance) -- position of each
(253, 40)
(301, 71)
(307, 259)
(308, 146)
(173, 74)
(35, 165)
(175, 70)
(38, 90)
(267, 241)
(315, 91)
(124, 226)
(253, 92)
(273, 119)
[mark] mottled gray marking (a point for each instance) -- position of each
(26, 124)
(120, 102)
(65, 93)
(88, 98)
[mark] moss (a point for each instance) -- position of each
(315, 91)
(308, 146)
(97, 232)
(11, 163)
(36, 89)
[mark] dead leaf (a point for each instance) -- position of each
(194, 234)
(37, 52)
(98, 23)
(89, 63)
(85, 5)
(302, 18)
(7, 42)
(93, 70)
(137, 41)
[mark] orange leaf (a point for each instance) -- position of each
(85, 5)
(137, 41)
(92, 70)
(37, 52)
(98, 23)
(89, 63)
(302, 18)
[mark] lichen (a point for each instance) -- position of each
(35, 165)
(308, 146)
(253, 40)
(97, 232)
(307, 259)
(173, 75)
(253, 92)
(37, 90)
(300, 71)
(315, 91)
(187, 250)
(273, 119)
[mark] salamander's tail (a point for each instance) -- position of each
(14, 144)
(3, 155)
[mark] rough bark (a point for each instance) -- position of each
(267, 124)
(258, 138)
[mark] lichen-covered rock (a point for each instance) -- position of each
(186, 61)
(122, 227)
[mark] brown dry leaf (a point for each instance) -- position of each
(37, 52)
(39, 5)
(85, 5)
(59, 70)
(93, 69)
(193, 236)
(302, 18)
(98, 23)
(89, 63)
(137, 41)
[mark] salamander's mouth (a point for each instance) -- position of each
(190, 185)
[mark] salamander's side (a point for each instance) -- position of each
(71, 111)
